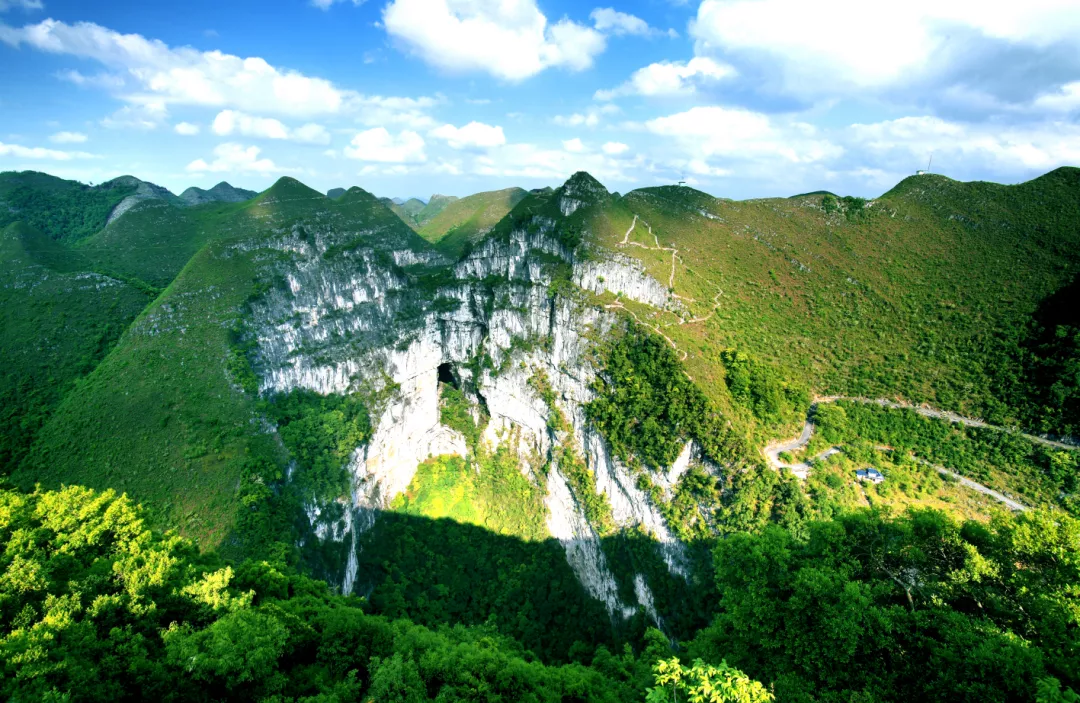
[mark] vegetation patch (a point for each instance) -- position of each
(321, 432)
(648, 408)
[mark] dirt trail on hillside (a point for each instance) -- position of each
(802, 469)
(671, 286)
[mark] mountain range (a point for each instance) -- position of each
(571, 391)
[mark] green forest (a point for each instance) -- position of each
(96, 605)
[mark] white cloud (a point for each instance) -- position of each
(140, 116)
(472, 135)
(37, 152)
(510, 39)
(669, 78)
(531, 161)
(836, 45)
(906, 142)
(229, 122)
(68, 138)
(611, 21)
(186, 129)
(24, 5)
(107, 81)
(1065, 99)
(376, 110)
(589, 118)
(574, 146)
(740, 134)
(166, 75)
(311, 133)
(615, 148)
(379, 145)
(235, 158)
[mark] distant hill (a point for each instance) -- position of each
(221, 193)
(465, 220)
(335, 193)
(59, 208)
(415, 212)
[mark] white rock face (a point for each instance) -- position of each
(621, 274)
(351, 322)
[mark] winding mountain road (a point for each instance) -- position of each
(802, 469)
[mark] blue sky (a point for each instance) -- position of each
(742, 98)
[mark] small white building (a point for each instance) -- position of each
(869, 474)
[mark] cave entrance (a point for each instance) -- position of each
(446, 375)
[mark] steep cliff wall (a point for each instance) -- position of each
(369, 317)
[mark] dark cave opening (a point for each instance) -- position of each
(446, 375)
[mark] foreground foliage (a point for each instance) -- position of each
(94, 606)
(917, 607)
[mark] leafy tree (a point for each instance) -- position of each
(702, 683)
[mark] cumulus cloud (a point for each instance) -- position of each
(379, 145)
(670, 78)
(107, 81)
(574, 146)
(610, 21)
(472, 135)
(376, 110)
(835, 47)
(531, 161)
(589, 118)
(37, 152)
(740, 134)
(615, 148)
(139, 116)
(904, 143)
(510, 39)
(229, 122)
(24, 5)
(1064, 99)
(185, 76)
(68, 138)
(235, 158)
(186, 129)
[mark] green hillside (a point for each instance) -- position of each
(464, 221)
(926, 293)
(57, 321)
(153, 240)
(61, 209)
(181, 432)
(415, 212)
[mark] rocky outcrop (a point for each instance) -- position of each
(143, 191)
(351, 318)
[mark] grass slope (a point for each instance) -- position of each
(923, 293)
(56, 322)
(465, 221)
(153, 240)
